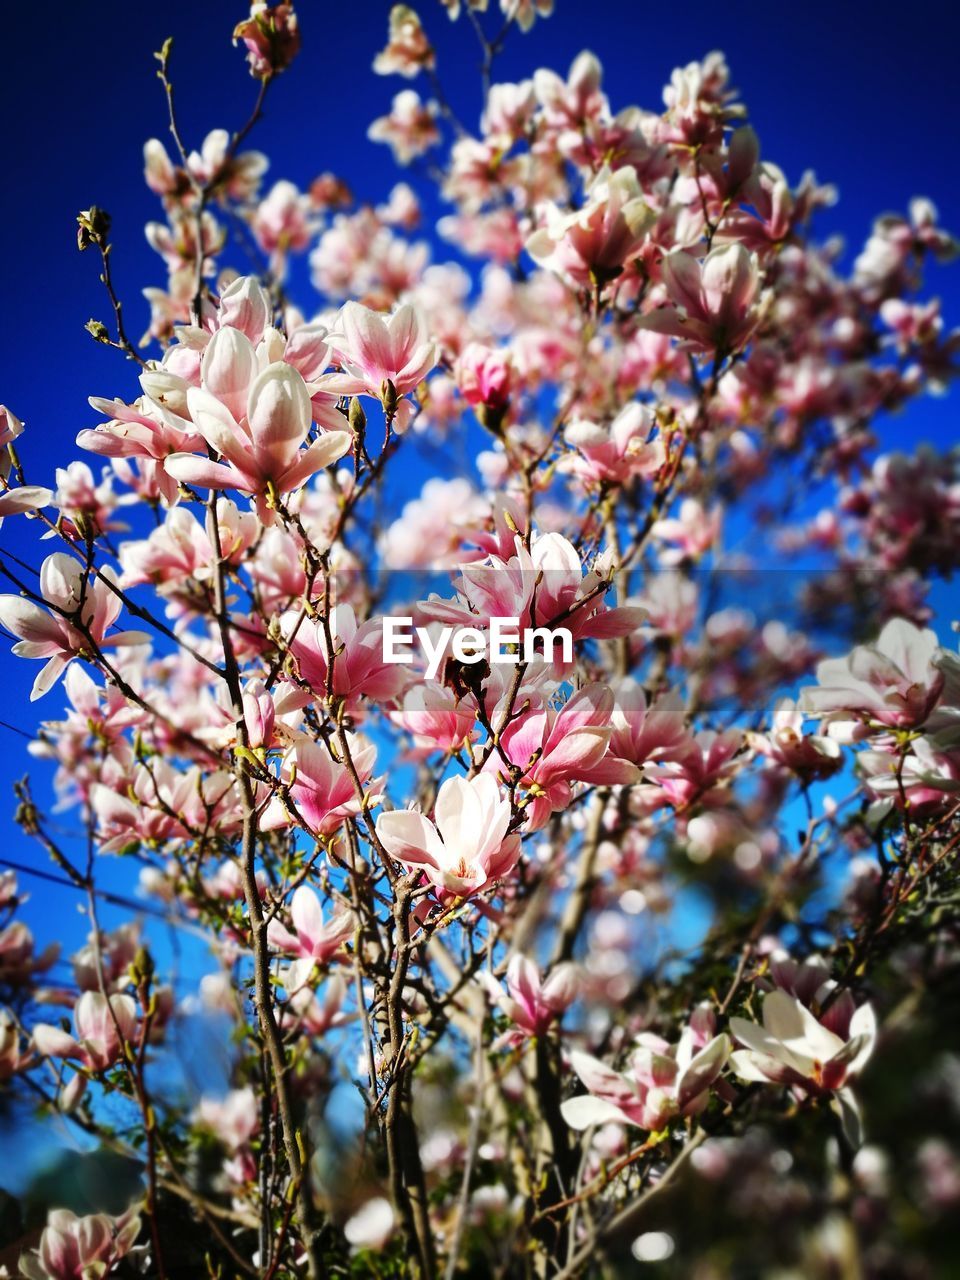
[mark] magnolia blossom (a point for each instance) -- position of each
(712, 303)
(410, 129)
(314, 939)
(616, 453)
(372, 1225)
(533, 1003)
(593, 245)
(216, 167)
(101, 1028)
(408, 50)
(435, 718)
(272, 38)
(698, 769)
(693, 532)
(76, 601)
(382, 356)
(525, 12)
(233, 1119)
(10, 428)
(357, 666)
(543, 587)
(257, 423)
(807, 755)
(484, 376)
(818, 1055)
(892, 683)
(305, 1009)
(926, 779)
(466, 848)
(11, 1059)
(662, 1081)
(73, 1248)
(555, 750)
(321, 789)
(280, 224)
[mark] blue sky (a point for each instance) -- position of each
(862, 93)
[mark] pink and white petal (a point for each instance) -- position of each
(28, 621)
(307, 915)
(49, 675)
(703, 1069)
(280, 937)
(54, 1043)
(586, 1111)
(410, 838)
(191, 469)
(792, 1023)
(330, 447)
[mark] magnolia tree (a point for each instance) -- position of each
(565, 906)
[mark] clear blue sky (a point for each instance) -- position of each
(863, 93)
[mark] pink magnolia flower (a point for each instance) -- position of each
(893, 682)
(256, 422)
(814, 1055)
(662, 1082)
(507, 115)
(593, 245)
(543, 587)
(525, 12)
(435, 718)
(54, 635)
(466, 848)
(533, 1003)
(233, 1119)
(101, 1028)
(305, 1009)
(712, 303)
(375, 1222)
(555, 750)
(358, 664)
(146, 429)
(698, 769)
(484, 375)
(927, 778)
(693, 532)
(163, 803)
(568, 104)
(314, 938)
(280, 224)
(17, 960)
(323, 790)
(410, 129)
(408, 50)
(213, 167)
(809, 755)
(642, 730)
(272, 38)
(82, 502)
(617, 452)
(73, 1248)
(382, 356)
(11, 1058)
